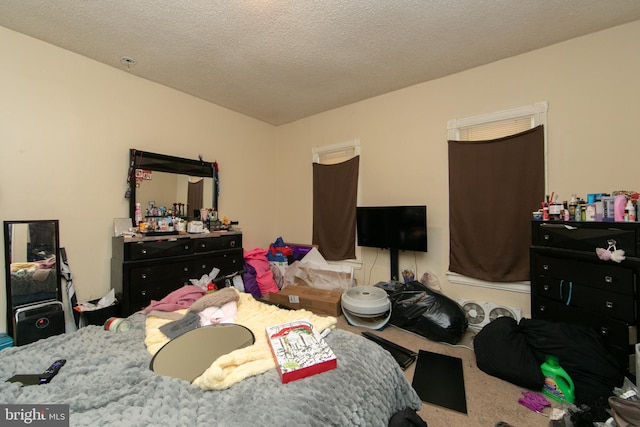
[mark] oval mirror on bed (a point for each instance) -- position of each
(190, 354)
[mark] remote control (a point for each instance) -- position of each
(47, 375)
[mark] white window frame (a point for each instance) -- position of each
(537, 113)
(343, 147)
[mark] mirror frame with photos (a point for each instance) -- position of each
(32, 248)
(155, 162)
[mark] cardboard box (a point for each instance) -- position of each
(318, 301)
(299, 350)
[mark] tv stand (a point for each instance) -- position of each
(394, 264)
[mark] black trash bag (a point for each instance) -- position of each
(582, 353)
(418, 309)
(502, 351)
(407, 417)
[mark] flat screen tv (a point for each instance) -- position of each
(397, 228)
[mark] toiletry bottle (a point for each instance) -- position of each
(573, 202)
(557, 383)
(619, 205)
(609, 211)
(583, 210)
(630, 212)
(590, 212)
(599, 210)
(138, 218)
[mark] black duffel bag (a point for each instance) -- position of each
(514, 352)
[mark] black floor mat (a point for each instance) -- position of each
(438, 379)
(403, 356)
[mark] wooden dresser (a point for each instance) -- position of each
(570, 283)
(149, 268)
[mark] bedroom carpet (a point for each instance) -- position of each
(488, 399)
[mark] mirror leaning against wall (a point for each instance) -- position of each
(32, 272)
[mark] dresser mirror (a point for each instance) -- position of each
(32, 269)
(181, 185)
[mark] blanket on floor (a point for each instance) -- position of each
(245, 362)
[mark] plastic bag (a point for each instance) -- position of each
(206, 280)
(626, 413)
(431, 281)
(316, 276)
(279, 251)
(418, 309)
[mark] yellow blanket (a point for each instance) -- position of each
(245, 362)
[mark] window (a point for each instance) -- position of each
(332, 154)
(490, 198)
(335, 193)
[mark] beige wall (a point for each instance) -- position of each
(66, 124)
(593, 90)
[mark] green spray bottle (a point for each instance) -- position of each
(557, 383)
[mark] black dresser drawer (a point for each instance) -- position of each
(223, 242)
(618, 336)
(151, 281)
(137, 251)
(586, 237)
(607, 276)
(148, 280)
(610, 304)
(228, 262)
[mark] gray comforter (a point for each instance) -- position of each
(107, 381)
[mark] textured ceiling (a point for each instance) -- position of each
(282, 60)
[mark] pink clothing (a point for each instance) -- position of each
(257, 258)
(223, 314)
(177, 300)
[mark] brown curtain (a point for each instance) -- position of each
(493, 188)
(194, 198)
(335, 190)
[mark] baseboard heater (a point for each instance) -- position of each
(403, 356)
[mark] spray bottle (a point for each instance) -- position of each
(557, 383)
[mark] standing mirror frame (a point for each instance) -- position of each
(32, 266)
(143, 160)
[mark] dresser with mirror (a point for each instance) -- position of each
(151, 265)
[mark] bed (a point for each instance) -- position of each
(107, 381)
(33, 281)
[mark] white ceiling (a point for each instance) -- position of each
(282, 60)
